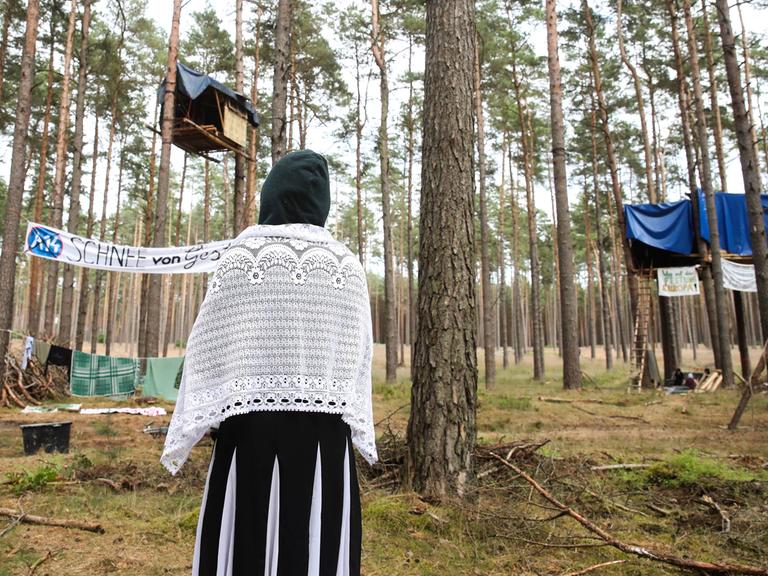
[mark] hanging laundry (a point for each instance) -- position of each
(94, 375)
(29, 346)
(161, 377)
(41, 350)
(59, 356)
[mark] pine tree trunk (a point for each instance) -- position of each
(489, 343)
(590, 296)
(148, 213)
(155, 281)
(411, 129)
(390, 323)
(57, 201)
(750, 170)
(67, 309)
(650, 183)
(359, 122)
(721, 301)
(441, 429)
(82, 308)
(239, 216)
(280, 78)
(717, 123)
(4, 45)
(533, 254)
(100, 275)
(177, 238)
(610, 155)
(115, 277)
(15, 194)
(253, 142)
(569, 313)
(517, 315)
(504, 327)
(36, 264)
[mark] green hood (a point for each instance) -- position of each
(296, 190)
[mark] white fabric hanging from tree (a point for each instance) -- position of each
(739, 277)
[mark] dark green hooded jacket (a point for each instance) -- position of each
(296, 190)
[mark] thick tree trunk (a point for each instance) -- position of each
(569, 314)
(155, 281)
(721, 301)
(67, 293)
(489, 336)
(36, 264)
(82, 309)
(441, 429)
(13, 201)
(390, 322)
(280, 78)
(57, 201)
(750, 170)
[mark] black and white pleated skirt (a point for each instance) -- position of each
(281, 499)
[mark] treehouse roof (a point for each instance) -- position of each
(194, 85)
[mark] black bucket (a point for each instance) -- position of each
(51, 437)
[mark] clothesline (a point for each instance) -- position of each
(25, 335)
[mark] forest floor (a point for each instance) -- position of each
(149, 517)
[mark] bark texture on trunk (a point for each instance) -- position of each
(750, 170)
(164, 177)
(13, 202)
(280, 79)
(569, 314)
(441, 429)
(239, 220)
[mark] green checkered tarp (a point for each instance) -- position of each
(93, 375)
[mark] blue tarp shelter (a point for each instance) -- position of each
(662, 234)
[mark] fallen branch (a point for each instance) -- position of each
(726, 521)
(642, 552)
(46, 521)
(619, 467)
(595, 567)
(37, 564)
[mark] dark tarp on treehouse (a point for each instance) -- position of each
(661, 235)
(208, 115)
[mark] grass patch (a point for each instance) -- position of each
(104, 427)
(689, 469)
(36, 480)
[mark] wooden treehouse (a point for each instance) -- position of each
(209, 116)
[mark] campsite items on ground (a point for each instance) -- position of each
(151, 411)
(51, 437)
(155, 431)
(52, 408)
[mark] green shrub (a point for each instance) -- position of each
(35, 480)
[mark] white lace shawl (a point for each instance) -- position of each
(285, 325)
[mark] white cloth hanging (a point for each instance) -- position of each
(739, 277)
(29, 348)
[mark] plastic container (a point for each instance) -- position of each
(51, 437)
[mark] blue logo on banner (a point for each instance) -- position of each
(44, 242)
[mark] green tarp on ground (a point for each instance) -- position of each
(93, 375)
(161, 377)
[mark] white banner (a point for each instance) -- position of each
(53, 244)
(739, 277)
(678, 281)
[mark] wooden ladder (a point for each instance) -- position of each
(642, 321)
